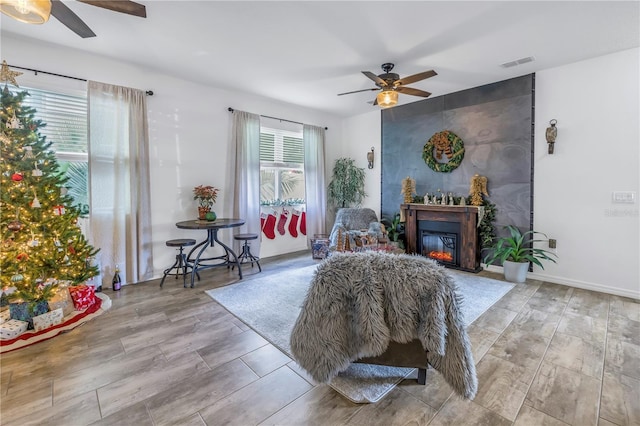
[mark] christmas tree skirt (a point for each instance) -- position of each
(103, 302)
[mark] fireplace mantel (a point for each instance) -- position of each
(466, 216)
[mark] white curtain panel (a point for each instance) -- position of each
(315, 188)
(119, 181)
(246, 194)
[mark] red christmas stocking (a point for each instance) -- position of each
(293, 223)
(268, 224)
(282, 221)
(303, 223)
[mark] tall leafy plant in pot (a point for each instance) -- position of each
(346, 188)
(395, 229)
(516, 251)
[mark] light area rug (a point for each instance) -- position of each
(270, 304)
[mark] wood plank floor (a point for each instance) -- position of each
(546, 355)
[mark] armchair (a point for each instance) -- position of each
(354, 219)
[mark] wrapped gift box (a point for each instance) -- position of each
(12, 329)
(62, 300)
(83, 296)
(24, 311)
(320, 248)
(44, 321)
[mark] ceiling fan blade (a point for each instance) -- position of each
(417, 77)
(122, 6)
(72, 21)
(380, 82)
(412, 91)
(357, 91)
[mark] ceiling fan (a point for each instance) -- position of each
(38, 11)
(390, 84)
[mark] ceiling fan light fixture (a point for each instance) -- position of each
(28, 11)
(387, 98)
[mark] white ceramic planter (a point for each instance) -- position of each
(515, 271)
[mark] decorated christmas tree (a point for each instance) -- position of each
(41, 241)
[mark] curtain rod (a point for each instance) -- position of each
(276, 118)
(148, 92)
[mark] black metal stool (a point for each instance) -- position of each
(246, 256)
(180, 265)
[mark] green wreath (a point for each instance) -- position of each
(447, 143)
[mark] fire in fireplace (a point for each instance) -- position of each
(439, 241)
(440, 246)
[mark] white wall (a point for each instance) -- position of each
(359, 134)
(597, 151)
(596, 103)
(189, 128)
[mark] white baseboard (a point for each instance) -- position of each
(573, 283)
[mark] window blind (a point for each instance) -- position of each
(267, 147)
(281, 146)
(65, 117)
(293, 150)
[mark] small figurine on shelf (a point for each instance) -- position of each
(426, 198)
(116, 283)
(443, 200)
(451, 200)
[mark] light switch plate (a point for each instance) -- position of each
(624, 197)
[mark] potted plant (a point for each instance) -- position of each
(346, 188)
(516, 252)
(395, 230)
(206, 196)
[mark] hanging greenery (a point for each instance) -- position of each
(346, 188)
(486, 228)
(445, 142)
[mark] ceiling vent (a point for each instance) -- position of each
(518, 62)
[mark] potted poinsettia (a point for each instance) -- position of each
(206, 196)
(516, 252)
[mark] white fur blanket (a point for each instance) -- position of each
(358, 302)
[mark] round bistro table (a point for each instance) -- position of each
(229, 258)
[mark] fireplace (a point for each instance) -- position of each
(448, 234)
(439, 241)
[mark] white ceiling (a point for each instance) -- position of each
(305, 53)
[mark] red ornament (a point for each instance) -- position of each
(22, 256)
(58, 210)
(16, 177)
(71, 250)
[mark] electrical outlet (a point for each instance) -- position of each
(624, 197)
(552, 243)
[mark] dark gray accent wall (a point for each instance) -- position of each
(495, 122)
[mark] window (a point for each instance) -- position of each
(65, 116)
(281, 167)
